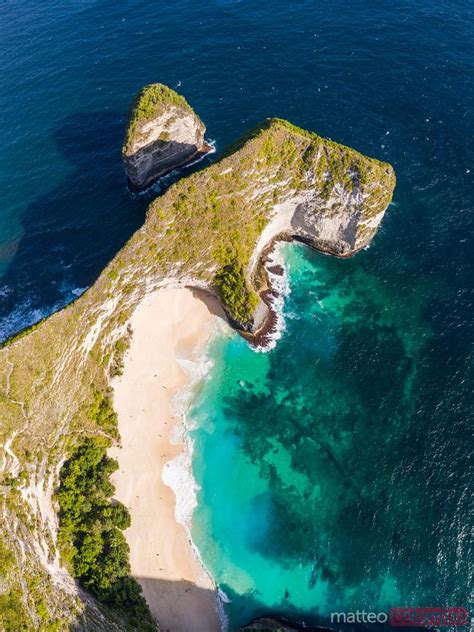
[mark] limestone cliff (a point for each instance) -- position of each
(163, 133)
(209, 231)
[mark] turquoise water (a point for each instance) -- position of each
(335, 470)
(323, 463)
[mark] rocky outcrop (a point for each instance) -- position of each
(277, 624)
(163, 133)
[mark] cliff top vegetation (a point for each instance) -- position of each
(149, 103)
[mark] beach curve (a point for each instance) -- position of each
(170, 331)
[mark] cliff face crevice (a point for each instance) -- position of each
(209, 231)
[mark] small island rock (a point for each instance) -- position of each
(163, 133)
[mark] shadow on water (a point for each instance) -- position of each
(71, 233)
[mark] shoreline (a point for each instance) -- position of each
(171, 328)
(273, 293)
(276, 286)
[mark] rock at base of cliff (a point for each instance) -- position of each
(278, 624)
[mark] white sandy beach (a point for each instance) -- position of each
(166, 325)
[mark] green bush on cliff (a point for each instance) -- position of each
(151, 99)
(238, 299)
(101, 412)
(120, 349)
(90, 533)
(14, 617)
(7, 558)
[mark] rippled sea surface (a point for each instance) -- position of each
(334, 469)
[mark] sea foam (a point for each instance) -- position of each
(178, 472)
(279, 283)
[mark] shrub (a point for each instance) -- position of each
(102, 413)
(237, 297)
(90, 533)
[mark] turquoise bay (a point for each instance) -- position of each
(313, 459)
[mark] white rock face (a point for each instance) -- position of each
(172, 139)
(333, 225)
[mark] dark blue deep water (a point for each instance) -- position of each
(355, 428)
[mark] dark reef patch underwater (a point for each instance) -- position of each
(334, 469)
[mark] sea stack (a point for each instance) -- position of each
(163, 133)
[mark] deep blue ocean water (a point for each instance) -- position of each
(346, 449)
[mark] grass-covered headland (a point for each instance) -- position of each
(55, 403)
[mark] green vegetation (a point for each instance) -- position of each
(90, 534)
(7, 559)
(103, 414)
(12, 608)
(239, 300)
(120, 349)
(14, 617)
(148, 103)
